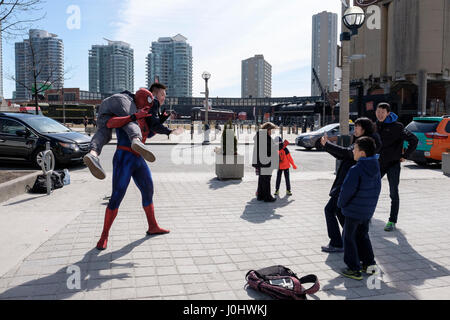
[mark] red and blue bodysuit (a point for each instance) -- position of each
(128, 164)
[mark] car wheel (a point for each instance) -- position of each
(308, 148)
(38, 158)
(422, 164)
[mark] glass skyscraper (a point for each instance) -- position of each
(111, 68)
(324, 51)
(49, 57)
(170, 63)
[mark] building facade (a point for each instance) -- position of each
(324, 52)
(170, 63)
(47, 51)
(256, 78)
(407, 55)
(1, 63)
(111, 68)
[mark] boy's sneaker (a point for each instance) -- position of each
(390, 226)
(140, 148)
(93, 163)
(331, 249)
(277, 192)
(289, 193)
(352, 274)
(373, 269)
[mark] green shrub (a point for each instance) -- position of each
(228, 125)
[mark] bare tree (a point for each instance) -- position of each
(16, 16)
(43, 72)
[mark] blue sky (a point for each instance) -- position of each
(221, 33)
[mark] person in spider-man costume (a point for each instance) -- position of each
(129, 164)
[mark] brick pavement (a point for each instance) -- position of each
(219, 232)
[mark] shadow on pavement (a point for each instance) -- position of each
(31, 198)
(433, 167)
(216, 184)
(259, 211)
(90, 266)
(381, 240)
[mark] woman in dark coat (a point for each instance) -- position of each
(363, 127)
(265, 160)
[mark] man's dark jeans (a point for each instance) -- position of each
(357, 245)
(332, 215)
(393, 175)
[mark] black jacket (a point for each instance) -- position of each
(393, 134)
(346, 156)
(155, 122)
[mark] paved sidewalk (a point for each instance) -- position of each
(218, 233)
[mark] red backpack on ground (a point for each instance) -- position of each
(281, 283)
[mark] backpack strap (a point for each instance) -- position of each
(311, 278)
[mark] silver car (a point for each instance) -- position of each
(311, 139)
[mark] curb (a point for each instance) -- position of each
(18, 186)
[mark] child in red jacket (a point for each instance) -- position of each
(285, 163)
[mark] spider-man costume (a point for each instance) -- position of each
(128, 164)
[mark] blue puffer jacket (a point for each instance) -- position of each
(361, 189)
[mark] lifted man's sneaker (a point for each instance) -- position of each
(93, 163)
(140, 148)
(277, 192)
(331, 249)
(390, 226)
(352, 274)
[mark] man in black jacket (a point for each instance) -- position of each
(333, 215)
(265, 160)
(393, 134)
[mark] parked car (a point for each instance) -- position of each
(23, 137)
(30, 110)
(434, 138)
(311, 140)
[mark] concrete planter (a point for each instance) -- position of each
(229, 167)
(18, 186)
(446, 163)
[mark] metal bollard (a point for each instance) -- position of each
(48, 165)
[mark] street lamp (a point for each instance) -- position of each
(353, 18)
(206, 76)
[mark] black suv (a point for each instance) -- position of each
(23, 137)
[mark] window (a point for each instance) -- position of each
(447, 128)
(423, 126)
(10, 127)
(53, 97)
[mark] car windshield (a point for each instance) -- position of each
(327, 128)
(46, 125)
(422, 126)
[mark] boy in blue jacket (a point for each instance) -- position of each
(358, 200)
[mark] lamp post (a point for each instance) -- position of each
(353, 18)
(206, 76)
